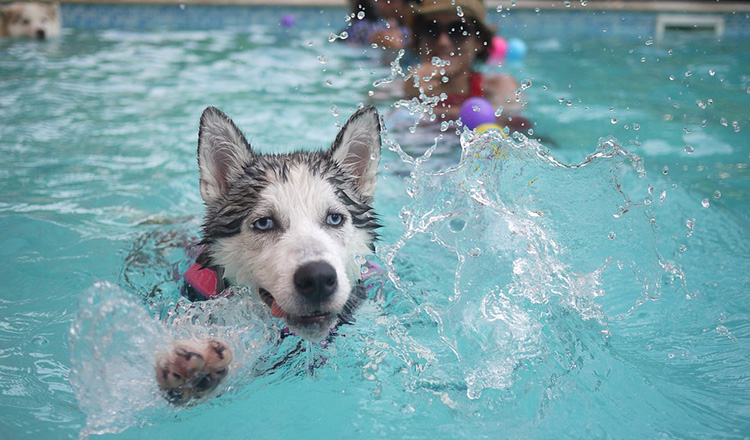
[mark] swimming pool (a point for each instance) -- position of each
(527, 298)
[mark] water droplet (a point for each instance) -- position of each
(335, 110)
(333, 37)
(689, 149)
(611, 235)
(688, 74)
(329, 83)
(712, 72)
(700, 104)
(665, 170)
(682, 248)
(705, 203)
(499, 111)
(649, 42)
(361, 15)
(636, 127)
(459, 11)
(613, 121)
(690, 223)
(717, 194)
(671, 77)
(323, 59)
(724, 122)
(182, 6)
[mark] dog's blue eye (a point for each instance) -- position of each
(263, 224)
(334, 219)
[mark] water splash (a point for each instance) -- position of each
(115, 342)
(516, 241)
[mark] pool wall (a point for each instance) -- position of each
(513, 21)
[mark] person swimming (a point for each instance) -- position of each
(451, 37)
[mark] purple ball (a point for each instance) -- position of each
(287, 21)
(475, 112)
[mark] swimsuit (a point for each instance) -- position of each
(475, 91)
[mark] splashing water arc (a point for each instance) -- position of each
(523, 240)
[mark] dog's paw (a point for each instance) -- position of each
(192, 369)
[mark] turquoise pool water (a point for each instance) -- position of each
(594, 286)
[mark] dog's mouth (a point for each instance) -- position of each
(316, 318)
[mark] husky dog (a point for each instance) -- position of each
(292, 227)
(32, 20)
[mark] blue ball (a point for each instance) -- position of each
(475, 112)
(516, 49)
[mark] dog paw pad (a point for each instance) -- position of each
(192, 369)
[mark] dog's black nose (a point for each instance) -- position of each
(40, 35)
(316, 281)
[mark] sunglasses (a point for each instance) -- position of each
(457, 31)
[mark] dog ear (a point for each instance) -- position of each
(357, 149)
(54, 9)
(223, 153)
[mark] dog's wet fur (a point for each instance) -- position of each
(294, 228)
(30, 20)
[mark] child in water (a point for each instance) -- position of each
(451, 37)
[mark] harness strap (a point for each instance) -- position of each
(203, 282)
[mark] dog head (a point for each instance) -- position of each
(293, 227)
(32, 20)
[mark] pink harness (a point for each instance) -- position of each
(202, 279)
